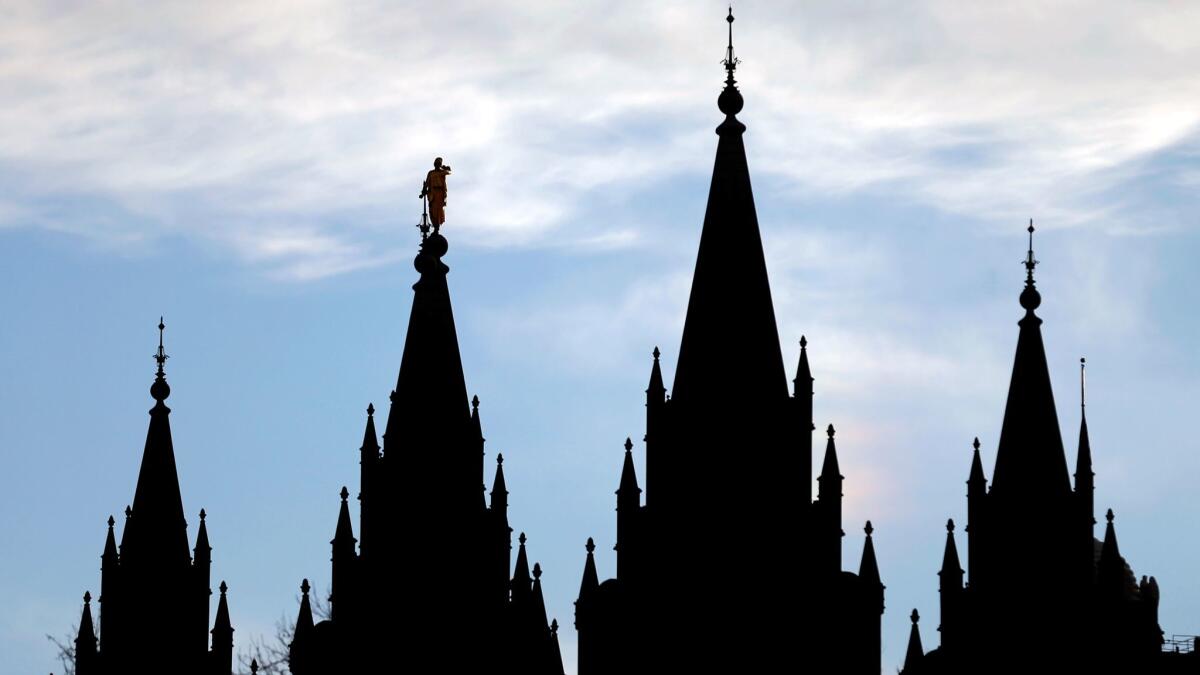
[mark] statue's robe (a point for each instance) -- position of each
(435, 188)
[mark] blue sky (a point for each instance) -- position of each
(250, 171)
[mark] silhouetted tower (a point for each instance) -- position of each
(1085, 492)
(154, 594)
(424, 491)
(951, 590)
(628, 505)
(1038, 598)
(726, 455)
(829, 509)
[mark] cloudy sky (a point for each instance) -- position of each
(251, 172)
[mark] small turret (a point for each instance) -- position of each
(222, 637)
(829, 497)
(86, 656)
(915, 653)
(342, 589)
(950, 581)
(628, 504)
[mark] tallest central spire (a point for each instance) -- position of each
(730, 310)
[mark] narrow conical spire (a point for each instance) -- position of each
(222, 624)
(85, 640)
(1111, 571)
(868, 569)
(655, 390)
(343, 537)
(555, 651)
(155, 530)
(110, 543)
(203, 552)
(370, 438)
(829, 468)
(591, 580)
(915, 653)
(521, 580)
(304, 619)
(951, 569)
(802, 383)
(1030, 462)
(430, 400)
(539, 601)
(730, 300)
(976, 476)
(499, 487)
(629, 484)
(1083, 462)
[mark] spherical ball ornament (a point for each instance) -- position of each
(421, 263)
(160, 390)
(730, 101)
(1030, 298)
(435, 245)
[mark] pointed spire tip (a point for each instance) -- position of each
(869, 529)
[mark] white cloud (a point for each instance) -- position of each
(263, 113)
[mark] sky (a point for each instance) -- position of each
(250, 171)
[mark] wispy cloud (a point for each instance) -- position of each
(326, 113)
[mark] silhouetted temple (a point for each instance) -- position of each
(428, 584)
(1042, 592)
(723, 563)
(154, 594)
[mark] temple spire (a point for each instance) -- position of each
(730, 301)
(915, 653)
(499, 487)
(521, 581)
(155, 527)
(85, 640)
(591, 580)
(1031, 464)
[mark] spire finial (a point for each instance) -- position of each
(730, 61)
(253, 666)
(803, 343)
(1030, 298)
(869, 529)
(730, 100)
(554, 627)
(950, 525)
(915, 616)
(304, 587)
(111, 522)
(1109, 516)
(202, 515)
(475, 402)
(345, 493)
(1082, 383)
(160, 390)
(128, 511)
(370, 410)
(537, 570)
(830, 431)
(521, 539)
(499, 458)
(628, 444)
(87, 597)
(223, 587)
(976, 444)
(591, 545)
(656, 353)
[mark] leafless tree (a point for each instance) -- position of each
(271, 653)
(65, 650)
